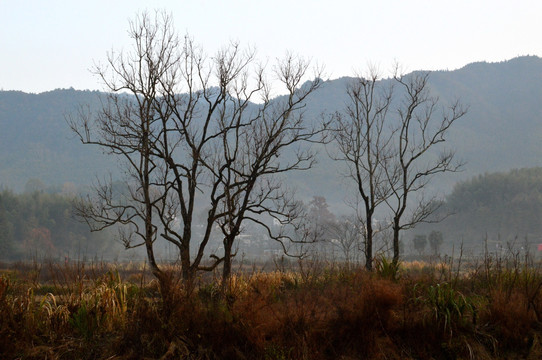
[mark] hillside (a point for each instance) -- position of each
(501, 131)
(36, 143)
(503, 127)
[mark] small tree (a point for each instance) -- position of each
(319, 219)
(346, 235)
(419, 242)
(248, 160)
(435, 241)
(128, 126)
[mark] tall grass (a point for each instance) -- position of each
(489, 309)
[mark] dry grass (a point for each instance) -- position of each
(318, 311)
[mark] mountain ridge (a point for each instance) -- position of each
(501, 131)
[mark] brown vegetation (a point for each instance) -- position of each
(489, 309)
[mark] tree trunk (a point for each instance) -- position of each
(186, 268)
(226, 271)
(396, 241)
(369, 246)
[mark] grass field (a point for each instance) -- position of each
(488, 308)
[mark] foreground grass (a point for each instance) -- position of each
(490, 310)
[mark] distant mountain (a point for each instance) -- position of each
(36, 142)
(503, 129)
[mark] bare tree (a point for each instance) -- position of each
(347, 236)
(251, 157)
(388, 154)
(191, 136)
(128, 126)
(231, 147)
(365, 144)
(196, 100)
(422, 126)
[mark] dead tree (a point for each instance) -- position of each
(347, 237)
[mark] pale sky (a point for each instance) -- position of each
(50, 44)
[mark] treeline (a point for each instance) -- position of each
(41, 224)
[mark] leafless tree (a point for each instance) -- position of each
(128, 126)
(232, 148)
(252, 155)
(422, 127)
(347, 236)
(197, 130)
(364, 141)
(388, 136)
(196, 100)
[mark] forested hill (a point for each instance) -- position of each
(503, 129)
(493, 210)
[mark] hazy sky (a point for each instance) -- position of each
(53, 44)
